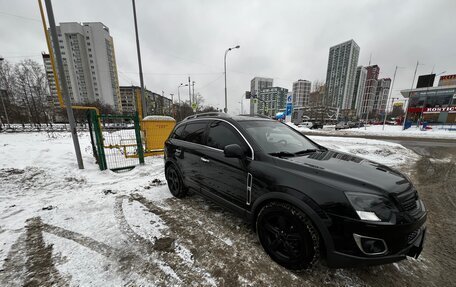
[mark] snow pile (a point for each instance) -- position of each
(437, 131)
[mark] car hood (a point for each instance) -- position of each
(355, 173)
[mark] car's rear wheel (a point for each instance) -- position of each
(175, 182)
(287, 235)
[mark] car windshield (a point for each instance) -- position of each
(278, 139)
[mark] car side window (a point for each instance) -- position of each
(177, 134)
(194, 132)
(221, 134)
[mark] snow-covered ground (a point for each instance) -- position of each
(100, 228)
(438, 131)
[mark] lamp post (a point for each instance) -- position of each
(172, 104)
(193, 91)
(179, 98)
(224, 64)
(389, 95)
(406, 107)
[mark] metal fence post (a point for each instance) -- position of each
(99, 138)
(138, 139)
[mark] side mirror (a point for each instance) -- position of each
(234, 151)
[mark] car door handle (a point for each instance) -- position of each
(178, 152)
(204, 159)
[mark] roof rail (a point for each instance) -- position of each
(209, 114)
(255, 116)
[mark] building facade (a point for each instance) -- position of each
(52, 100)
(89, 63)
(433, 104)
(272, 100)
(256, 85)
(340, 75)
(301, 91)
(156, 104)
(366, 103)
(381, 96)
(358, 90)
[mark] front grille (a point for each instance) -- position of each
(412, 235)
(407, 200)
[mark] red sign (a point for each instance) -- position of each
(448, 77)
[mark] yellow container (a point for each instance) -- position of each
(156, 130)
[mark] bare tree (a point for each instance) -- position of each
(317, 85)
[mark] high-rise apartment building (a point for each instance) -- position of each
(358, 90)
(272, 100)
(301, 91)
(156, 104)
(52, 100)
(370, 89)
(89, 63)
(256, 85)
(381, 95)
(340, 75)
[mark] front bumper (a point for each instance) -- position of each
(348, 254)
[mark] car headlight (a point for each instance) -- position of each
(371, 207)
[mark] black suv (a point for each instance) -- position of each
(304, 200)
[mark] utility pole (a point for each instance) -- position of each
(189, 91)
(406, 107)
(141, 80)
(193, 92)
(387, 100)
(66, 98)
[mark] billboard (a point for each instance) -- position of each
(448, 80)
(425, 81)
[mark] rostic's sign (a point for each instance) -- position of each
(440, 110)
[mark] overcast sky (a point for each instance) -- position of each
(284, 40)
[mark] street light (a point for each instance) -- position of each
(224, 62)
(179, 98)
(389, 95)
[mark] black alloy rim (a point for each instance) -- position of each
(173, 179)
(283, 237)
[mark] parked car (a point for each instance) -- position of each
(342, 125)
(306, 124)
(316, 125)
(352, 124)
(304, 201)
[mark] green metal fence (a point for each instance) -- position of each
(116, 141)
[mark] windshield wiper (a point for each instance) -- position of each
(306, 151)
(282, 154)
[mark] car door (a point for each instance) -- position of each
(225, 178)
(190, 153)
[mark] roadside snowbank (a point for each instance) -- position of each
(443, 132)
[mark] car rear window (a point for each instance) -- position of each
(177, 134)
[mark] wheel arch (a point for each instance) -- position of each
(317, 221)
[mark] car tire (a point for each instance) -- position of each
(175, 182)
(288, 236)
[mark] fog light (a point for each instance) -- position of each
(370, 245)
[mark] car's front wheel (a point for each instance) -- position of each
(175, 182)
(288, 236)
